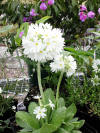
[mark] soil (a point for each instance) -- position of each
(91, 121)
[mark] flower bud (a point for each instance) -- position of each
(43, 6)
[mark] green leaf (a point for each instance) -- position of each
(36, 131)
(61, 102)
(49, 94)
(78, 124)
(61, 130)
(58, 116)
(31, 107)
(42, 20)
(24, 119)
(68, 126)
(48, 128)
(76, 131)
(70, 112)
(79, 52)
(24, 132)
(24, 28)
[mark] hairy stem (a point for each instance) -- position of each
(58, 86)
(39, 80)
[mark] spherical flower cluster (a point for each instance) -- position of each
(42, 42)
(96, 65)
(64, 63)
(45, 3)
(84, 14)
(40, 112)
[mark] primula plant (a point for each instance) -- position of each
(44, 43)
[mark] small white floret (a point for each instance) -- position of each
(40, 112)
(37, 97)
(51, 104)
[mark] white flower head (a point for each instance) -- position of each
(8, 96)
(51, 104)
(13, 107)
(64, 63)
(40, 112)
(96, 80)
(96, 65)
(0, 90)
(26, 90)
(42, 42)
(37, 97)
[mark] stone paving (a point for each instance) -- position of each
(13, 71)
(10, 66)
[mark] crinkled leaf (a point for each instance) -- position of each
(78, 124)
(58, 116)
(49, 94)
(24, 132)
(61, 130)
(61, 102)
(70, 112)
(31, 107)
(48, 128)
(76, 131)
(26, 119)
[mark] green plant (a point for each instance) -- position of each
(49, 115)
(58, 120)
(5, 104)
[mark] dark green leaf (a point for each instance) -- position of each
(70, 112)
(61, 102)
(58, 116)
(24, 119)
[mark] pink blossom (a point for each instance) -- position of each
(32, 13)
(83, 8)
(21, 34)
(99, 10)
(43, 6)
(42, 0)
(50, 2)
(83, 16)
(91, 14)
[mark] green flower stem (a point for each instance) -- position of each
(39, 80)
(58, 86)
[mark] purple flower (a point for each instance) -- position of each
(99, 10)
(21, 34)
(24, 19)
(83, 16)
(32, 13)
(43, 6)
(42, 0)
(83, 8)
(91, 14)
(50, 2)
